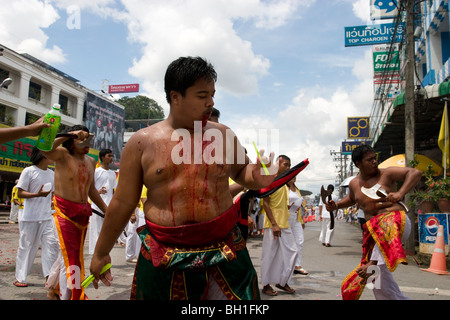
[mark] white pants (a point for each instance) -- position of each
(297, 231)
(133, 243)
(14, 211)
(326, 234)
(32, 235)
(95, 225)
(388, 288)
(278, 257)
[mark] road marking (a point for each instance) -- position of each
(440, 292)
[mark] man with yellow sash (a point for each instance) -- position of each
(387, 224)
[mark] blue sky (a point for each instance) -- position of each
(282, 65)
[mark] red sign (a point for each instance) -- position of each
(122, 88)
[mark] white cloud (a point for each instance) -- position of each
(170, 29)
(22, 25)
(361, 9)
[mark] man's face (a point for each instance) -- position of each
(283, 165)
(108, 158)
(369, 163)
(198, 101)
(80, 149)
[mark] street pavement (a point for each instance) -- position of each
(327, 268)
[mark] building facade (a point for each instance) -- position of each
(35, 87)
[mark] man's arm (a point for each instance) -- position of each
(120, 208)
(410, 178)
(14, 133)
(269, 215)
(27, 195)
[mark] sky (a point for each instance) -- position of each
(285, 78)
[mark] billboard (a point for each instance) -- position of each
(106, 120)
(347, 147)
(383, 9)
(123, 88)
(373, 34)
(358, 128)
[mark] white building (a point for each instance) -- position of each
(35, 87)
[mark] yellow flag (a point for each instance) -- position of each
(444, 141)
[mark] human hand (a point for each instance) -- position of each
(265, 170)
(36, 127)
(276, 230)
(42, 193)
(96, 267)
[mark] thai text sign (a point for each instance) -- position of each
(349, 146)
(124, 88)
(373, 34)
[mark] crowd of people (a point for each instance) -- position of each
(194, 232)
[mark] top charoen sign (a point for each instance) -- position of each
(373, 34)
(124, 88)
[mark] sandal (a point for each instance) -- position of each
(20, 284)
(269, 291)
(301, 271)
(286, 288)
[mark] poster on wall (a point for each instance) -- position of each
(106, 120)
(429, 224)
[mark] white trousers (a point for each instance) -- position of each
(133, 243)
(95, 225)
(278, 257)
(14, 212)
(388, 289)
(326, 234)
(297, 231)
(34, 234)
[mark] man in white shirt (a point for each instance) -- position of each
(36, 183)
(105, 182)
(326, 233)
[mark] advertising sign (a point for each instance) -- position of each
(373, 34)
(106, 120)
(349, 146)
(124, 88)
(358, 128)
(428, 227)
(383, 9)
(386, 61)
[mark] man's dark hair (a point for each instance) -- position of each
(103, 153)
(359, 152)
(284, 157)
(183, 72)
(36, 156)
(68, 144)
(215, 113)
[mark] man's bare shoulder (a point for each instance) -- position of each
(150, 133)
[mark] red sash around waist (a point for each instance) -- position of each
(197, 234)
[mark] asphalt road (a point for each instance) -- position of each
(327, 267)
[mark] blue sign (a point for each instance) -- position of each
(373, 34)
(428, 227)
(348, 146)
(358, 128)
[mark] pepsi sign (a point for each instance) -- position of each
(428, 227)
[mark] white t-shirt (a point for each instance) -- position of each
(31, 180)
(295, 201)
(107, 179)
(325, 212)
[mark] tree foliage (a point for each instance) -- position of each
(141, 107)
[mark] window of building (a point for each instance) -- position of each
(64, 103)
(34, 92)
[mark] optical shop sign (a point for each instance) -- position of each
(373, 34)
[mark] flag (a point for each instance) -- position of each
(443, 140)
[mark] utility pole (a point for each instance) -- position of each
(409, 106)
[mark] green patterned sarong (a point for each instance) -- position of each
(184, 273)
